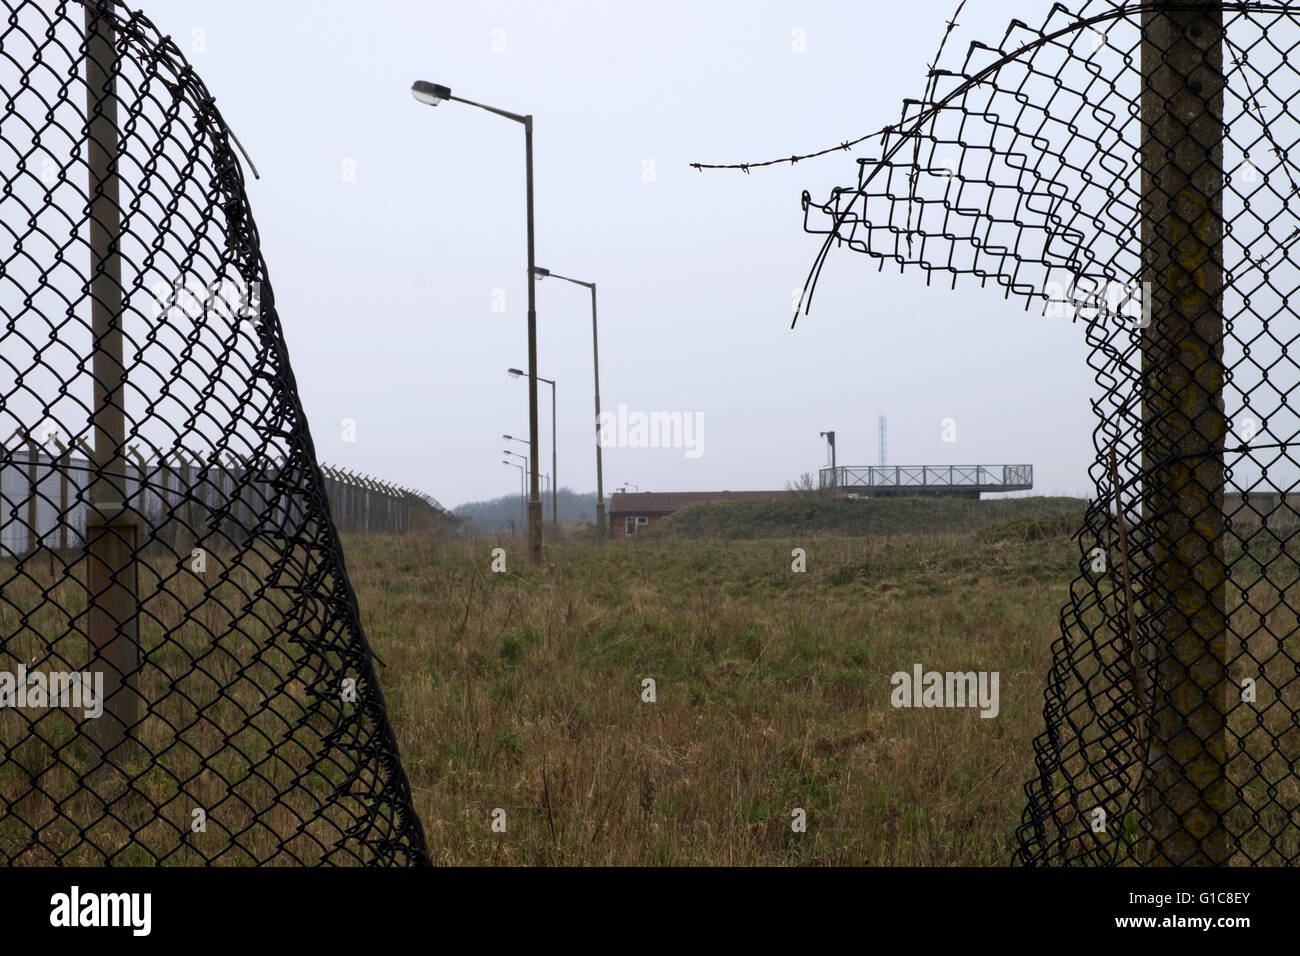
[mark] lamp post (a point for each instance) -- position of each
(835, 476)
(595, 355)
(527, 471)
(431, 94)
(555, 516)
(518, 440)
(523, 499)
(517, 455)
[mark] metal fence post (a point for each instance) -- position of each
(1184, 428)
(110, 525)
(65, 519)
(33, 481)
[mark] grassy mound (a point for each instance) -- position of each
(866, 517)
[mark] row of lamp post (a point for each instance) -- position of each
(431, 94)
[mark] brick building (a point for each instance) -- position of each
(630, 514)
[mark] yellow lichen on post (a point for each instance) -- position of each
(1184, 426)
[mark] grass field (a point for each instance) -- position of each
(523, 691)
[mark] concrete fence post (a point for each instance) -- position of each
(1184, 428)
(110, 526)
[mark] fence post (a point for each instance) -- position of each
(65, 519)
(241, 510)
(280, 510)
(345, 500)
(190, 475)
(110, 526)
(341, 491)
(168, 516)
(141, 497)
(366, 498)
(1183, 429)
(349, 500)
(374, 524)
(332, 492)
(33, 480)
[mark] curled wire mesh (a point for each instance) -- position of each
(1126, 166)
(165, 527)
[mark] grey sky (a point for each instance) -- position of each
(385, 285)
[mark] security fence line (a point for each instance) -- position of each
(178, 492)
(173, 549)
(362, 503)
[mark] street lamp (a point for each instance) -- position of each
(516, 373)
(431, 94)
(835, 476)
(519, 440)
(595, 353)
(516, 454)
(522, 497)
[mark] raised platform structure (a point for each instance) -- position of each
(954, 481)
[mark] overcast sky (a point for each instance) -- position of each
(392, 229)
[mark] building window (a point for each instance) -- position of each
(634, 524)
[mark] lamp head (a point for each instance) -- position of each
(514, 373)
(430, 94)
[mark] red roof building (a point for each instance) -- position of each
(630, 514)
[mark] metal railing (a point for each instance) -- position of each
(929, 479)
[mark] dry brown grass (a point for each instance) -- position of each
(232, 728)
(522, 691)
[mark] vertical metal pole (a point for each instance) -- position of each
(65, 519)
(534, 495)
(601, 532)
(169, 522)
(110, 527)
(555, 437)
(1183, 430)
(33, 479)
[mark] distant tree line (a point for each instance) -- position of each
(498, 513)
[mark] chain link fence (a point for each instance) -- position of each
(1125, 166)
(183, 674)
(45, 494)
